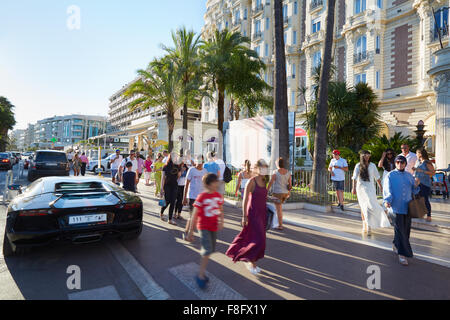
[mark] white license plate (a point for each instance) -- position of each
(52, 164)
(90, 218)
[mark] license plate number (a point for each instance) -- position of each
(90, 218)
(52, 164)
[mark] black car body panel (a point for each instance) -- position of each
(44, 213)
(48, 163)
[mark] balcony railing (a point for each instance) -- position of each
(360, 57)
(286, 19)
(315, 3)
(434, 34)
(257, 35)
(236, 22)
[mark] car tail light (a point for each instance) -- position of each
(128, 206)
(39, 212)
(5, 160)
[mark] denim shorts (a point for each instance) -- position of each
(113, 173)
(208, 240)
(338, 185)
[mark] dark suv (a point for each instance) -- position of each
(48, 163)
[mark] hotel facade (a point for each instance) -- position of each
(389, 44)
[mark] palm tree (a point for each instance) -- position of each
(248, 92)
(320, 139)
(187, 61)
(7, 121)
(280, 117)
(158, 85)
(216, 54)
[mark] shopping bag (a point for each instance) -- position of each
(417, 207)
(162, 203)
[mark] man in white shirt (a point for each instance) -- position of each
(222, 166)
(165, 155)
(411, 158)
(194, 185)
(338, 167)
(134, 168)
(115, 160)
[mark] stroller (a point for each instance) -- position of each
(440, 183)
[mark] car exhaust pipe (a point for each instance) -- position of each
(88, 238)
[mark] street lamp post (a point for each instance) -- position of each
(420, 132)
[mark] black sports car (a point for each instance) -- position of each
(77, 209)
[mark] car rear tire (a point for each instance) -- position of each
(132, 235)
(7, 249)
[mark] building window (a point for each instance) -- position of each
(258, 27)
(226, 24)
(317, 57)
(257, 50)
(380, 4)
(294, 37)
(377, 80)
(295, 7)
(237, 16)
(292, 98)
(360, 6)
(266, 49)
(293, 70)
(360, 77)
(315, 25)
(285, 11)
(267, 23)
(245, 13)
(377, 45)
(285, 37)
(360, 49)
(441, 25)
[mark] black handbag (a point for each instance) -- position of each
(417, 208)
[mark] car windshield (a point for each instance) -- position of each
(51, 156)
(69, 187)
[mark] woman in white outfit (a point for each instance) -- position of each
(244, 176)
(364, 177)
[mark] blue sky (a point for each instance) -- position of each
(47, 69)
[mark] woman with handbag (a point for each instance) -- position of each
(364, 177)
(282, 185)
(250, 244)
(424, 171)
(398, 189)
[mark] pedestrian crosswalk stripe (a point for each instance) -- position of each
(215, 290)
(105, 293)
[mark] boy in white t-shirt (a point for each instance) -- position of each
(338, 167)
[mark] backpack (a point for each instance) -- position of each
(227, 176)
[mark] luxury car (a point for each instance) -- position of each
(48, 163)
(73, 209)
(6, 161)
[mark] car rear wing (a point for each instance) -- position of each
(81, 194)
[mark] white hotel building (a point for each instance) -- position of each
(387, 43)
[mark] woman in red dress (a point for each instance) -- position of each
(250, 244)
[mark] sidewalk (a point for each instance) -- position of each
(440, 214)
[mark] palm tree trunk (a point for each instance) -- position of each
(280, 121)
(237, 111)
(170, 126)
(320, 140)
(231, 109)
(185, 126)
(220, 119)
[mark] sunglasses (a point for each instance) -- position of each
(402, 162)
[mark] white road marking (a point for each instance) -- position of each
(373, 243)
(143, 280)
(216, 289)
(105, 293)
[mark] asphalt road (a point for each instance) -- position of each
(299, 264)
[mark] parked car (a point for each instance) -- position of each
(27, 155)
(104, 164)
(6, 161)
(48, 163)
(75, 209)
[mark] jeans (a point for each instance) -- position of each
(83, 168)
(425, 192)
(170, 195)
(180, 194)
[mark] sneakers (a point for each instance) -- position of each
(403, 261)
(253, 270)
(201, 282)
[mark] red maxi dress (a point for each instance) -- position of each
(250, 244)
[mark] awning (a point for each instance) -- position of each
(299, 132)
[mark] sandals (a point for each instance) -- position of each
(403, 261)
(172, 222)
(162, 216)
(281, 228)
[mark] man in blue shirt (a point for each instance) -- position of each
(211, 166)
(398, 188)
